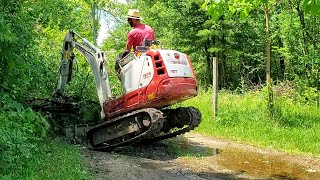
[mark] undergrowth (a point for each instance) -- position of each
(25, 151)
(294, 126)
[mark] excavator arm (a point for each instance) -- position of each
(96, 59)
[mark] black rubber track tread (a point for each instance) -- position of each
(196, 119)
(151, 111)
(194, 114)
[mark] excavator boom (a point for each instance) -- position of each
(96, 59)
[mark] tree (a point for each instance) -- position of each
(217, 8)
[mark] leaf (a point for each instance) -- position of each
(204, 33)
(215, 15)
(315, 8)
(243, 15)
(214, 49)
(220, 11)
(312, 6)
(204, 6)
(246, 11)
(211, 9)
(11, 64)
(232, 9)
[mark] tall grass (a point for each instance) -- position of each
(294, 126)
(50, 160)
(47, 160)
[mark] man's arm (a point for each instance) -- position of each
(129, 42)
(128, 48)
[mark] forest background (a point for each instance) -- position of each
(268, 55)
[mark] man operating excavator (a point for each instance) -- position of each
(139, 33)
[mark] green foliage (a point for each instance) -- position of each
(32, 32)
(24, 154)
(55, 160)
(312, 6)
(292, 114)
(293, 128)
(50, 160)
(20, 129)
(15, 39)
(6, 36)
(226, 8)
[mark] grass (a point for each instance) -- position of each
(294, 127)
(52, 160)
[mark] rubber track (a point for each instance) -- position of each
(156, 117)
(145, 137)
(194, 113)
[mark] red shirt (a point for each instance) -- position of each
(138, 34)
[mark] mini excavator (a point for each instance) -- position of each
(151, 82)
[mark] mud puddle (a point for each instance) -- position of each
(195, 156)
(258, 163)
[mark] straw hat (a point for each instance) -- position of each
(134, 14)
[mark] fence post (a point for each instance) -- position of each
(215, 86)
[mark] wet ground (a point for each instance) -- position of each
(195, 156)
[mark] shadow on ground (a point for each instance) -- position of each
(167, 149)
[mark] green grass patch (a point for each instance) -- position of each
(50, 160)
(294, 127)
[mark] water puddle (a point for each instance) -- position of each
(264, 165)
(250, 161)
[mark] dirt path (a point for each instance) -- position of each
(195, 156)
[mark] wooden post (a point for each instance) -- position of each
(215, 86)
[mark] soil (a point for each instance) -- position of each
(194, 156)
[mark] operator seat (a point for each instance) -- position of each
(125, 57)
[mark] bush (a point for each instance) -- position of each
(19, 130)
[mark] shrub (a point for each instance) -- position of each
(19, 130)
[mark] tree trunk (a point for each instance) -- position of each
(222, 59)
(303, 26)
(209, 63)
(268, 59)
(267, 45)
(281, 61)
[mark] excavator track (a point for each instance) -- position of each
(125, 129)
(195, 119)
(143, 126)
